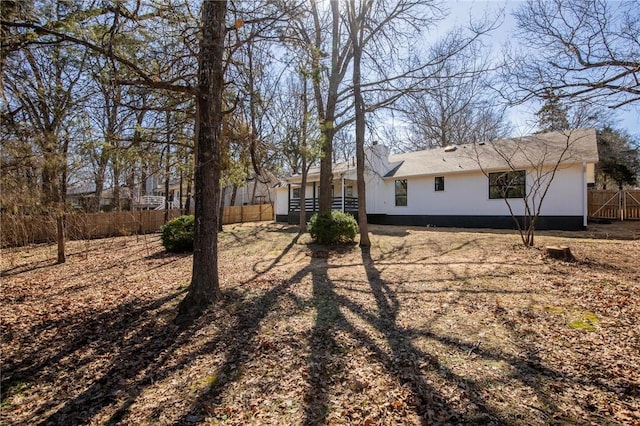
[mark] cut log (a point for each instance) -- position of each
(560, 253)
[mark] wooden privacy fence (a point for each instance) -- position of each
(241, 214)
(23, 230)
(612, 204)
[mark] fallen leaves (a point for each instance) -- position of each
(437, 327)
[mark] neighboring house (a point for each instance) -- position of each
(256, 190)
(155, 198)
(461, 186)
(82, 197)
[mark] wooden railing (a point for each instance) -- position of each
(612, 204)
(311, 204)
(151, 200)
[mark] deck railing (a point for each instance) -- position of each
(312, 204)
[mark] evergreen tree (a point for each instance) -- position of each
(553, 115)
(619, 160)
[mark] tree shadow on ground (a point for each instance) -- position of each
(240, 236)
(22, 269)
(164, 255)
(326, 360)
(104, 333)
(143, 349)
(389, 231)
(527, 367)
(239, 340)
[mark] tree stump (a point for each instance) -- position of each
(560, 253)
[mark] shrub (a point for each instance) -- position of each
(333, 227)
(177, 234)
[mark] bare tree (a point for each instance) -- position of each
(529, 165)
(383, 74)
(330, 59)
(456, 105)
(205, 286)
(75, 29)
(42, 82)
(582, 50)
(297, 133)
(356, 19)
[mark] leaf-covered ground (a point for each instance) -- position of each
(432, 326)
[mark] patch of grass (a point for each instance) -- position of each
(584, 321)
(555, 309)
(206, 382)
(16, 390)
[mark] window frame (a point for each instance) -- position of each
(295, 193)
(507, 184)
(399, 196)
(348, 191)
(438, 183)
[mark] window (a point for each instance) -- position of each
(507, 184)
(348, 191)
(295, 193)
(401, 192)
(439, 181)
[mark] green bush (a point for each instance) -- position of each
(333, 227)
(177, 234)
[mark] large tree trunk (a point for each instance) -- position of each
(205, 288)
(360, 124)
(97, 194)
(53, 173)
(326, 173)
(234, 194)
(304, 166)
(62, 257)
(116, 184)
(143, 179)
(187, 202)
(167, 169)
(180, 205)
(303, 196)
(62, 201)
(327, 115)
(253, 191)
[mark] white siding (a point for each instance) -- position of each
(281, 203)
(468, 194)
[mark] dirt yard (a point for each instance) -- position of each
(432, 326)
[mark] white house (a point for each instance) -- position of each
(258, 189)
(471, 185)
